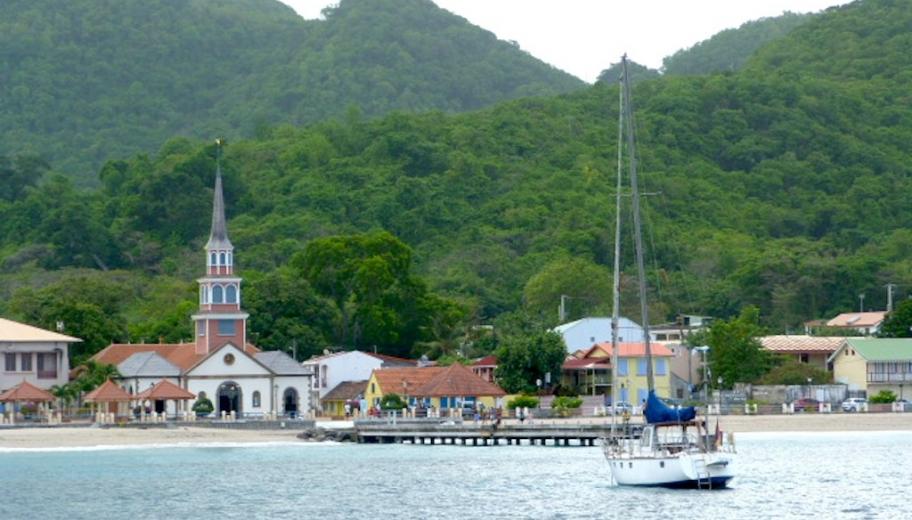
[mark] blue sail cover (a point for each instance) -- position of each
(658, 412)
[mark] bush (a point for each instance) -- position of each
(203, 406)
(883, 397)
(564, 405)
(392, 402)
(522, 401)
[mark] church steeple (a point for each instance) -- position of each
(218, 233)
(220, 319)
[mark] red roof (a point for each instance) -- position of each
(183, 355)
(165, 390)
(26, 391)
(404, 381)
(457, 379)
(858, 319)
(487, 361)
(584, 363)
(108, 392)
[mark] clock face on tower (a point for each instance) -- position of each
(228, 359)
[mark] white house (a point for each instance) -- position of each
(219, 363)
(330, 370)
(32, 354)
(582, 334)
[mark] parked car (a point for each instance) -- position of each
(806, 403)
(854, 404)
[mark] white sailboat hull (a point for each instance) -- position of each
(681, 470)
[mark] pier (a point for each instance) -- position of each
(473, 434)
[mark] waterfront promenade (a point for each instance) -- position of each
(65, 436)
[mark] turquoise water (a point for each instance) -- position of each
(826, 475)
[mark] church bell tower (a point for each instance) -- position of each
(220, 319)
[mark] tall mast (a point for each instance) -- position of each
(616, 287)
(635, 195)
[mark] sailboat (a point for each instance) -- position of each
(675, 449)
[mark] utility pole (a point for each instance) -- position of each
(562, 310)
(890, 287)
(861, 302)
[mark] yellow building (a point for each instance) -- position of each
(442, 388)
(874, 364)
(346, 392)
(590, 371)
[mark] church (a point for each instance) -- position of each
(220, 363)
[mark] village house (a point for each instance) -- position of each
(349, 393)
(485, 367)
(220, 364)
(811, 350)
(869, 365)
(31, 354)
(590, 371)
(337, 368)
(442, 388)
(865, 323)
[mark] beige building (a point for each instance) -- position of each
(873, 364)
(811, 350)
(31, 354)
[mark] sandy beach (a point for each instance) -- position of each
(64, 437)
(77, 437)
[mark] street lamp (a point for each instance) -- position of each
(720, 394)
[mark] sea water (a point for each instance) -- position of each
(781, 475)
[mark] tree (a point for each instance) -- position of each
(524, 359)
(587, 284)
(792, 372)
(735, 354)
(899, 322)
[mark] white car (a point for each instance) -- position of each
(854, 404)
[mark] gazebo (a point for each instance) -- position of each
(110, 393)
(165, 390)
(25, 392)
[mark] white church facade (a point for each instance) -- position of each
(220, 363)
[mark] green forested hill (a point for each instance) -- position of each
(730, 49)
(85, 80)
(784, 190)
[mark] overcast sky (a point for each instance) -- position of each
(583, 37)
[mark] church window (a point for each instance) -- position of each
(212, 259)
(256, 399)
(201, 328)
(228, 359)
(231, 294)
(226, 327)
(222, 259)
(217, 294)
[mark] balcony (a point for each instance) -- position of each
(896, 377)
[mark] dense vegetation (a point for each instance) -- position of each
(782, 186)
(87, 80)
(728, 50)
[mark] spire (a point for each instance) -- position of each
(218, 235)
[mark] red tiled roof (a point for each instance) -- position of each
(404, 380)
(580, 364)
(801, 343)
(26, 391)
(857, 319)
(633, 349)
(183, 355)
(457, 379)
(487, 361)
(165, 390)
(108, 392)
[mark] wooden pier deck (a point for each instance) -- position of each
(472, 434)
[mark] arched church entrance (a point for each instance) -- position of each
(290, 402)
(229, 398)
